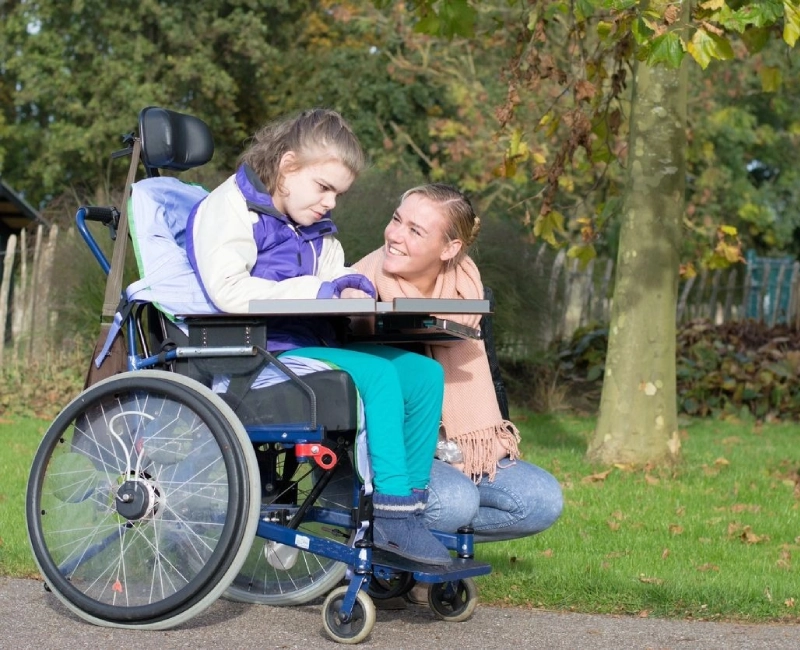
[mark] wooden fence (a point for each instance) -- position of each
(25, 305)
(764, 289)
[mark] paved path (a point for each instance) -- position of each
(32, 618)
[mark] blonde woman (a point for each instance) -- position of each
(425, 255)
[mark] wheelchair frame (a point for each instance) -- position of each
(111, 484)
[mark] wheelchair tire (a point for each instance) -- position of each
(453, 601)
(357, 627)
(310, 576)
(142, 501)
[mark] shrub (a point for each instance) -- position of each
(740, 368)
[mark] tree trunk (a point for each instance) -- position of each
(638, 411)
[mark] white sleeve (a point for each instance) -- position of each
(331, 260)
(225, 252)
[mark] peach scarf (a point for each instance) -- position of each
(470, 414)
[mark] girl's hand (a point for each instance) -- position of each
(354, 293)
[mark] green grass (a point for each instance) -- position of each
(19, 438)
(714, 538)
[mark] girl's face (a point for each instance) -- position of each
(308, 192)
(416, 245)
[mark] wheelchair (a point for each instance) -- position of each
(211, 468)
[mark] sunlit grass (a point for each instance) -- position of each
(715, 537)
(19, 438)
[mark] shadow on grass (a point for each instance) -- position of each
(554, 431)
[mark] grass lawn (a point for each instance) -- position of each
(19, 438)
(714, 538)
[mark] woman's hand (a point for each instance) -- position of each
(354, 293)
(500, 452)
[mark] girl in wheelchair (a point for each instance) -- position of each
(266, 232)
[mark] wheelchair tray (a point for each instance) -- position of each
(460, 567)
(399, 321)
(366, 306)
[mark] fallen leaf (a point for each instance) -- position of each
(749, 537)
(745, 507)
(707, 567)
(665, 554)
(596, 478)
(675, 529)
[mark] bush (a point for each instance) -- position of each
(44, 384)
(741, 368)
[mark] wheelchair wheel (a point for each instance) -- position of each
(394, 586)
(361, 621)
(453, 601)
(142, 501)
(283, 575)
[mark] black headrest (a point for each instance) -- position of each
(173, 141)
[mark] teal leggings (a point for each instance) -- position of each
(402, 393)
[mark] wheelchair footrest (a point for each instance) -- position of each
(459, 568)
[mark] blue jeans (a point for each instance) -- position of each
(522, 500)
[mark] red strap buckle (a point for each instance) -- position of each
(322, 456)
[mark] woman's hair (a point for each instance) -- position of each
(462, 222)
(313, 135)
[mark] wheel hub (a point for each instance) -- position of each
(136, 499)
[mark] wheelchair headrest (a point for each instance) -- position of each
(173, 141)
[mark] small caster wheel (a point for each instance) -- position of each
(453, 601)
(384, 588)
(360, 623)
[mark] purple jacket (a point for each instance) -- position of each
(285, 250)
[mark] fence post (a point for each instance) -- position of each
(729, 291)
(30, 309)
(748, 289)
(794, 297)
(684, 297)
(777, 298)
(44, 280)
(575, 297)
(552, 291)
(5, 290)
(605, 302)
(712, 303)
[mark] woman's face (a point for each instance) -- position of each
(415, 243)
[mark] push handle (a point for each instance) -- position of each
(107, 216)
